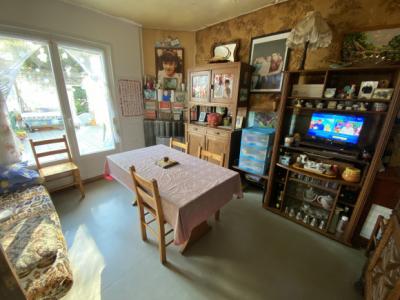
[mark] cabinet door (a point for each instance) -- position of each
(200, 86)
(195, 140)
(224, 85)
(219, 145)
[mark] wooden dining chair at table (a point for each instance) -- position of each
(178, 145)
(215, 158)
(63, 169)
(149, 203)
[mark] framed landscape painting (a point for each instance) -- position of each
(372, 46)
(268, 56)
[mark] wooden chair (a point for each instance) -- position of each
(149, 203)
(181, 146)
(218, 159)
(67, 168)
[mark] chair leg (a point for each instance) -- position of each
(217, 215)
(78, 182)
(163, 255)
(142, 223)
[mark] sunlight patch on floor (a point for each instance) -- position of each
(86, 265)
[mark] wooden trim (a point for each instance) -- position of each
(278, 135)
(375, 162)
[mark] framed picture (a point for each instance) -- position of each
(239, 122)
(169, 67)
(383, 94)
(202, 116)
(366, 89)
(227, 51)
(372, 46)
(268, 56)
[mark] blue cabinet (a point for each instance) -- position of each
(255, 149)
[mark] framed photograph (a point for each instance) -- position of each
(383, 94)
(268, 56)
(227, 51)
(202, 116)
(239, 122)
(372, 46)
(169, 67)
(366, 89)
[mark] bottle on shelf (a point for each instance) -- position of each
(341, 226)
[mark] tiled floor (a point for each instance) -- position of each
(249, 254)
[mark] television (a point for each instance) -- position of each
(335, 128)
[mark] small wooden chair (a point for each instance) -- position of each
(218, 159)
(215, 158)
(149, 202)
(181, 146)
(66, 168)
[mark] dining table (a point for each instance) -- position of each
(191, 191)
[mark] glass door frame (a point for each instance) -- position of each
(53, 41)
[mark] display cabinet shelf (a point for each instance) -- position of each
(342, 111)
(316, 176)
(337, 99)
(317, 186)
(369, 144)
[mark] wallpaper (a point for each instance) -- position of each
(342, 15)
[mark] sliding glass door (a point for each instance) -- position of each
(54, 88)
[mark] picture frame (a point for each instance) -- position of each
(366, 89)
(269, 57)
(382, 94)
(239, 122)
(225, 51)
(202, 116)
(374, 45)
(169, 67)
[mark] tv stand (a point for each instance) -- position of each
(332, 149)
(292, 191)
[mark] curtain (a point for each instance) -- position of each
(13, 53)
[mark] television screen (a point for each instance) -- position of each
(339, 128)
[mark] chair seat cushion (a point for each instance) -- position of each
(57, 169)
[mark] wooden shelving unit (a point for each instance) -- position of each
(210, 93)
(286, 183)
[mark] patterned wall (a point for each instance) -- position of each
(342, 15)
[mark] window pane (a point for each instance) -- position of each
(28, 85)
(89, 98)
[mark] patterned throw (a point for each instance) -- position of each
(34, 243)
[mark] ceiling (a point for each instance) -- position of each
(185, 15)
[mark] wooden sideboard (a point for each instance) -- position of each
(214, 88)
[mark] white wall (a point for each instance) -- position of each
(123, 38)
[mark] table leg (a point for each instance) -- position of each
(197, 232)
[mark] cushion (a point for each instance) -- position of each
(17, 176)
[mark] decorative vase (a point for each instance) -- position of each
(351, 174)
(214, 119)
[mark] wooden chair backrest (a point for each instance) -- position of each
(147, 194)
(204, 154)
(39, 155)
(179, 145)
